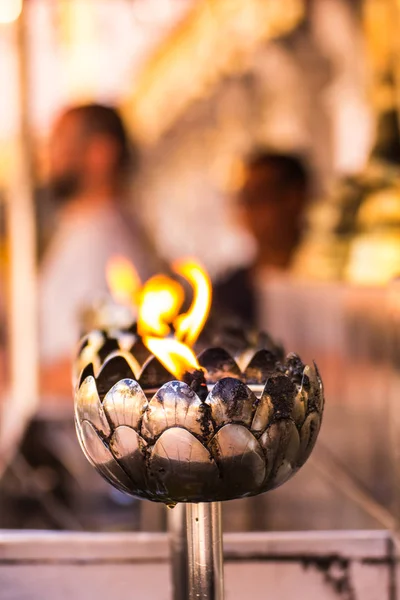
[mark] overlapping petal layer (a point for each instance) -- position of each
(171, 446)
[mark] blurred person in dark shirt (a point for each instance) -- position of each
(271, 203)
(91, 161)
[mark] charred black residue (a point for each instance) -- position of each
(282, 392)
(235, 394)
(205, 421)
(294, 368)
(197, 382)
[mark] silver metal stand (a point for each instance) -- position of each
(176, 522)
(204, 541)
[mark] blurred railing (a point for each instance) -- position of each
(353, 333)
(261, 566)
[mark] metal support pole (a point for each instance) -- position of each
(204, 539)
(176, 522)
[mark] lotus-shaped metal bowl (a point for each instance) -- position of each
(240, 347)
(172, 446)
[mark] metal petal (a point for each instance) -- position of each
(308, 436)
(182, 468)
(313, 383)
(154, 374)
(240, 459)
(175, 404)
(294, 368)
(282, 392)
(263, 415)
(285, 472)
(231, 401)
(126, 340)
(124, 404)
(94, 339)
(300, 406)
(102, 458)
(88, 371)
(218, 363)
(88, 407)
(117, 366)
(140, 351)
(88, 352)
(261, 366)
(128, 448)
(281, 444)
(79, 435)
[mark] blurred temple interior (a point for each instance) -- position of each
(260, 139)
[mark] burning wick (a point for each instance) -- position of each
(197, 382)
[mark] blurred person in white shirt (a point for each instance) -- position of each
(91, 161)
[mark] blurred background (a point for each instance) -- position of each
(259, 137)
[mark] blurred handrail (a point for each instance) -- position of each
(331, 469)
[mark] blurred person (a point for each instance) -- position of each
(271, 202)
(91, 160)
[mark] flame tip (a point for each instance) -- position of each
(160, 300)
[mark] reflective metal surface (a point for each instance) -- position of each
(177, 533)
(175, 447)
(204, 531)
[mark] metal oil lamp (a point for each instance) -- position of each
(176, 428)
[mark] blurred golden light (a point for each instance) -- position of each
(123, 280)
(160, 301)
(374, 258)
(10, 10)
(189, 325)
(214, 39)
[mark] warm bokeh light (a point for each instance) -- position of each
(160, 301)
(189, 325)
(123, 280)
(176, 357)
(374, 258)
(212, 39)
(10, 10)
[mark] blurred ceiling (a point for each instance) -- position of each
(214, 39)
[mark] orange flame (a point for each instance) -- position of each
(160, 301)
(176, 357)
(189, 325)
(122, 280)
